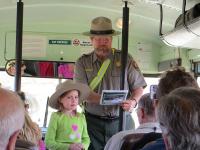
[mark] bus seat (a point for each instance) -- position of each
(138, 141)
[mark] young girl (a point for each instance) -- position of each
(67, 128)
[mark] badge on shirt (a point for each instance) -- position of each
(118, 63)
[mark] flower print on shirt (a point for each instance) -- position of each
(75, 134)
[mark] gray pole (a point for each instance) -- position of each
(18, 54)
(124, 59)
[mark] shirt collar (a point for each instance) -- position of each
(150, 125)
(94, 57)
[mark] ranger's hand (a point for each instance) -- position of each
(129, 105)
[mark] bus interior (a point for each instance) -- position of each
(52, 33)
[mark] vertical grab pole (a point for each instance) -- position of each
(46, 113)
(18, 53)
(124, 60)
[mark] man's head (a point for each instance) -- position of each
(101, 33)
(145, 110)
(179, 116)
(174, 79)
(102, 46)
(11, 118)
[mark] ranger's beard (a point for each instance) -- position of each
(102, 53)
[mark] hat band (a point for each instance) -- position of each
(101, 32)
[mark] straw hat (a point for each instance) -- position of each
(67, 86)
(101, 26)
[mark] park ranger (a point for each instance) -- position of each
(101, 70)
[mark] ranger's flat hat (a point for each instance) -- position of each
(101, 26)
(68, 85)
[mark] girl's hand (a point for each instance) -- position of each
(76, 146)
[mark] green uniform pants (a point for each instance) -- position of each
(100, 130)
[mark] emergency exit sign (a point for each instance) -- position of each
(60, 42)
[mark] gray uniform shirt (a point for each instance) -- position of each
(87, 67)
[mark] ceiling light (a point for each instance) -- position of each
(119, 23)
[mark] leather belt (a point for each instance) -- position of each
(101, 117)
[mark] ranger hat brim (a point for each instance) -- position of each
(101, 26)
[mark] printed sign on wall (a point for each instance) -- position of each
(34, 46)
(81, 42)
(60, 42)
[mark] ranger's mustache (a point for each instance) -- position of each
(102, 49)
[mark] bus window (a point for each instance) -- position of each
(6, 81)
(37, 90)
(198, 80)
(150, 81)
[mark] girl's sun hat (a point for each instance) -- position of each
(68, 85)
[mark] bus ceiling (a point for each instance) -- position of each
(57, 35)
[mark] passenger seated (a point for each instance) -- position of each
(11, 118)
(31, 131)
(170, 81)
(181, 129)
(146, 117)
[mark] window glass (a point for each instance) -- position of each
(198, 80)
(149, 81)
(37, 91)
(6, 80)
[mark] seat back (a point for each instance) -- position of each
(138, 141)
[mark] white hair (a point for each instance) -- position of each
(181, 127)
(11, 115)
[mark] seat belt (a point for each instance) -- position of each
(100, 74)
